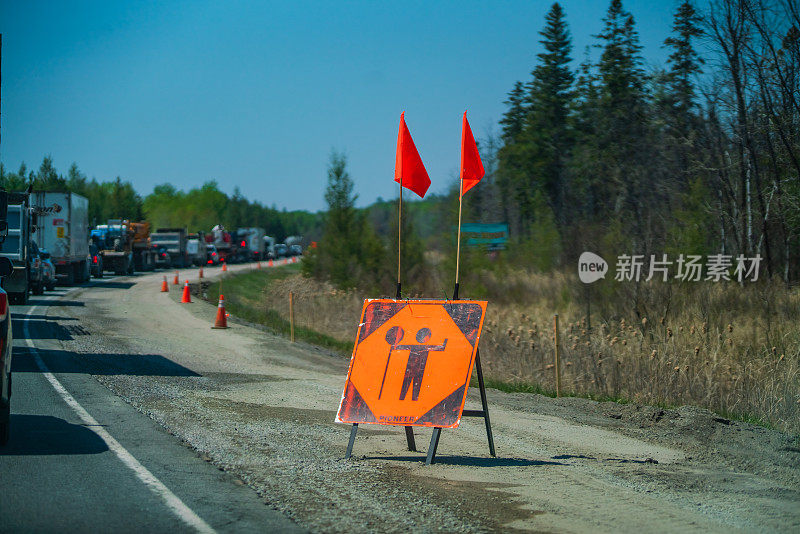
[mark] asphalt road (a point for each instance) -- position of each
(80, 459)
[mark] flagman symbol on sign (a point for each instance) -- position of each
(412, 362)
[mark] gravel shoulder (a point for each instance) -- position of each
(263, 408)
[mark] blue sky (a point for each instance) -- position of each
(257, 94)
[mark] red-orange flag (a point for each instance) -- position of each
(408, 168)
(471, 165)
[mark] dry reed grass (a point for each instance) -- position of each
(733, 349)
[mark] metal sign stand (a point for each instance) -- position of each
(437, 431)
(467, 413)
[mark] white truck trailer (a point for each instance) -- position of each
(63, 229)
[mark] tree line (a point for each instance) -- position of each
(699, 156)
(696, 157)
(198, 209)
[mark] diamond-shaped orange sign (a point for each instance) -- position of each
(412, 362)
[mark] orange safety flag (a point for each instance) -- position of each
(409, 171)
(471, 166)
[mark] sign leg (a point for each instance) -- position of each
(484, 403)
(437, 431)
(352, 440)
(412, 446)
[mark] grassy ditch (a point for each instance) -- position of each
(246, 297)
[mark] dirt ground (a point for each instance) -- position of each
(263, 408)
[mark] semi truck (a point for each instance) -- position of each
(62, 224)
(16, 246)
(173, 240)
(251, 241)
(115, 245)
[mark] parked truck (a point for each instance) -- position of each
(252, 241)
(62, 222)
(115, 245)
(144, 254)
(223, 242)
(196, 248)
(173, 240)
(16, 246)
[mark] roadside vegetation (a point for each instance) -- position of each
(251, 296)
(698, 157)
(733, 350)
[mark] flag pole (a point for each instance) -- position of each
(399, 233)
(458, 239)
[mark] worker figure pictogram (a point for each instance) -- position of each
(417, 359)
(412, 362)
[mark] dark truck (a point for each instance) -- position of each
(20, 225)
(114, 242)
(144, 253)
(173, 240)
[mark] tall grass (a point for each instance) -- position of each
(730, 348)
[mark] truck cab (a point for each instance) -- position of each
(114, 241)
(19, 226)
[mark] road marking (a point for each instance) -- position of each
(173, 502)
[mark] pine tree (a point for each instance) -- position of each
(514, 119)
(547, 126)
(624, 183)
(349, 253)
(512, 161)
(684, 61)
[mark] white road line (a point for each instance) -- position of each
(176, 506)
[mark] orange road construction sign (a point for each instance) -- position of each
(412, 362)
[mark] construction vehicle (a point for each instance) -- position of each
(223, 242)
(173, 241)
(144, 253)
(62, 220)
(115, 245)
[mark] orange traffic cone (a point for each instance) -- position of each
(175, 281)
(294, 259)
(224, 267)
(270, 263)
(222, 318)
(187, 295)
(200, 274)
(164, 286)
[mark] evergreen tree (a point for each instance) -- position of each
(349, 253)
(513, 120)
(624, 184)
(550, 96)
(47, 178)
(684, 61)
